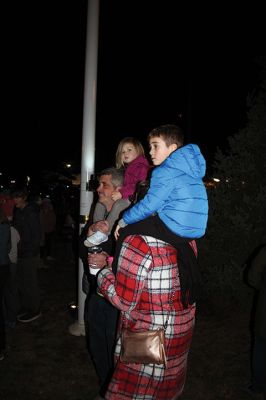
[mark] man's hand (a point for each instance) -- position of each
(98, 260)
(116, 195)
(102, 226)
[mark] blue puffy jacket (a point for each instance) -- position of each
(177, 193)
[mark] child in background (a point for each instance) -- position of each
(130, 156)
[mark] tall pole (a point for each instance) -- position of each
(88, 141)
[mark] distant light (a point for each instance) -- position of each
(68, 165)
(12, 181)
(1, 173)
(28, 179)
(216, 179)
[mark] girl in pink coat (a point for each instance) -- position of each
(130, 156)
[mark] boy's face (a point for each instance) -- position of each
(159, 151)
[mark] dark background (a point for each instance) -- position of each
(146, 77)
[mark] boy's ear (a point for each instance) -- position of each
(173, 147)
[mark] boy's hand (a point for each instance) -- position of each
(116, 195)
(116, 232)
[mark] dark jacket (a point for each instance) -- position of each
(5, 243)
(257, 279)
(27, 223)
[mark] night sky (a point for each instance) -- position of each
(144, 80)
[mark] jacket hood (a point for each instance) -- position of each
(189, 160)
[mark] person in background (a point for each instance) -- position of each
(27, 223)
(48, 225)
(5, 246)
(131, 158)
(146, 289)
(11, 296)
(7, 203)
(257, 279)
(68, 233)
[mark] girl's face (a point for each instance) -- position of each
(129, 153)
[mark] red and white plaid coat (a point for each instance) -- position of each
(146, 277)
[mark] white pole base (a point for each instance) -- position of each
(77, 329)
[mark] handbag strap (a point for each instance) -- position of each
(171, 301)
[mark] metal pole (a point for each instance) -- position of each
(88, 141)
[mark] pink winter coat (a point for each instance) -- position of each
(135, 172)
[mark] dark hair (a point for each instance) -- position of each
(171, 134)
(23, 193)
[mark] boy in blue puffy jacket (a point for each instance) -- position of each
(177, 194)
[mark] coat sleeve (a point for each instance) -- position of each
(160, 188)
(124, 290)
(132, 177)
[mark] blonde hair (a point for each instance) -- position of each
(130, 140)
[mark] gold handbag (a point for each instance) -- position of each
(143, 347)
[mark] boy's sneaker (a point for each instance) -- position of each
(95, 239)
(28, 317)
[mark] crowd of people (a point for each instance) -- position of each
(27, 232)
(147, 220)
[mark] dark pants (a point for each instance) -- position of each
(11, 297)
(101, 321)
(28, 284)
(4, 273)
(259, 365)
(46, 249)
